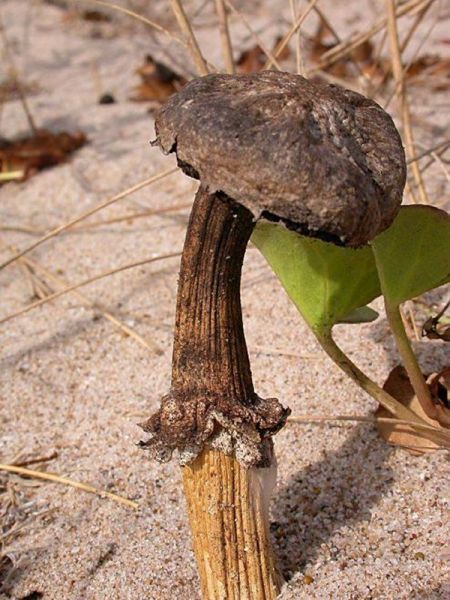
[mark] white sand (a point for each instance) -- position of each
(364, 520)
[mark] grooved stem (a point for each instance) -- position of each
(227, 502)
(230, 529)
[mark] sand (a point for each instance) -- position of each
(352, 517)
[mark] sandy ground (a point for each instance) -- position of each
(362, 519)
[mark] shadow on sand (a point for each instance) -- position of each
(335, 492)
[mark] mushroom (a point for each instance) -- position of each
(328, 163)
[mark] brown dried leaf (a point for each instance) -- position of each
(159, 82)
(34, 153)
(415, 440)
(254, 59)
(251, 61)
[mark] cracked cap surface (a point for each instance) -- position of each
(326, 159)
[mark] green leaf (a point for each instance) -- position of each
(413, 255)
(363, 314)
(325, 282)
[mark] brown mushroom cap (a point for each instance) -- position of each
(326, 160)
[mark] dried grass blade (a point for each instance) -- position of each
(153, 346)
(397, 70)
(320, 419)
(85, 215)
(254, 35)
(186, 28)
(71, 288)
(285, 41)
(227, 47)
(65, 481)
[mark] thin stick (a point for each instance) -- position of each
(298, 46)
(227, 47)
(71, 288)
(397, 69)
(285, 41)
(88, 213)
(65, 481)
(319, 419)
(254, 35)
(186, 28)
(152, 346)
(409, 36)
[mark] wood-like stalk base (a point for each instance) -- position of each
(229, 521)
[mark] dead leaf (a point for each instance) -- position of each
(254, 59)
(439, 384)
(415, 440)
(96, 16)
(159, 82)
(27, 155)
(251, 61)
(430, 70)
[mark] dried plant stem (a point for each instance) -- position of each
(71, 288)
(442, 147)
(227, 47)
(298, 42)
(254, 35)
(65, 481)
(397, 69)
(287, 38)
(229, 521)
(310, 420)
(151, 345)
(186, 28)
(88, 213)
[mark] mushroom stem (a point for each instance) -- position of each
(226, 501)
(210, 354)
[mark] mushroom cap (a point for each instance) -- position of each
(327, 161)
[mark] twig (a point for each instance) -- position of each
(227, 47)
(285, 41)
(65, 481)
(88, 213)
(397, 69)
(254, 35)
(186, 28)
(71, 288)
